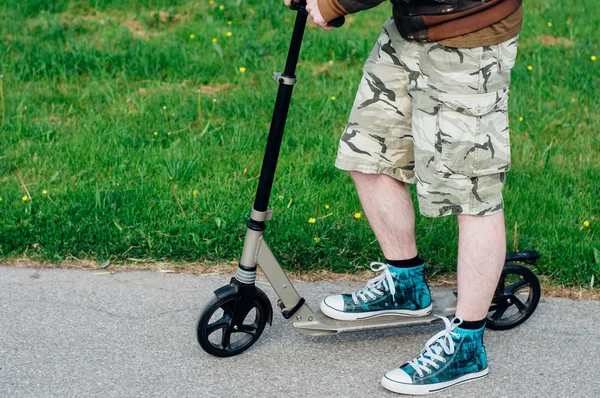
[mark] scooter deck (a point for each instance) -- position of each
(444, 304)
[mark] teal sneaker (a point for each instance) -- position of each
(451, 357)
(396, 291)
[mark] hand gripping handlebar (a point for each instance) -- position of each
(300, 6)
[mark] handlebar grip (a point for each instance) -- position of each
(300, 6)
(338, 22)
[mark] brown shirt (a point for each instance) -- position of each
(486, 25)
(501, 31)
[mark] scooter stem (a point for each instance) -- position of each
(246, 273)
(286, 82)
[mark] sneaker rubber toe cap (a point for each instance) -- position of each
(335, 302)
(395, 376)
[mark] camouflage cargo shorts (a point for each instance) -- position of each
(436, 117)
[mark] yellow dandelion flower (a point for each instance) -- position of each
(211, 2)
(0, 198)
(171, 178)
(586, 223)
(327, 206)
(311, 220)
(25, 198)
(333, 97)
(573, 100)
(242, 70)
(221, 7)
(192, 37)
(316, 239)
(214, 39)
(581, 193)
(228, 34)
(195, 193)
(280, 196)
(529, 67)
(549, 24)
(229, 23)
(521, 119)
(156, 133)
(593, 57)
(44, 192)
(357, 215)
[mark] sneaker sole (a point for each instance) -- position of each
(424, 389)
(350, 316)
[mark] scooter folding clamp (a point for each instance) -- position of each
(287, 314)
(282, 79)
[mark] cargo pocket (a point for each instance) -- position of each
(472, 134)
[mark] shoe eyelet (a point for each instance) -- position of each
(356, 303)
(428, 371)
(396, 304)
(386, 304)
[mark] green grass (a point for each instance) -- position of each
(84, 90)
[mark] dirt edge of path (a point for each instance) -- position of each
(549, 287)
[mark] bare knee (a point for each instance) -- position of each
(464, 219)
(480, 223)
(358, 175)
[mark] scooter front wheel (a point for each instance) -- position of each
(517, 296)
(219, 337)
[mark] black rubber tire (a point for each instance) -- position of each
(506, 298)
(225, 348)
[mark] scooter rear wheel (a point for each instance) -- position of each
(517, 297)
(219, 337)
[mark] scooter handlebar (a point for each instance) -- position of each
(338, 22)
(300, 6)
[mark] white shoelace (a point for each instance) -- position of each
(433, 348)
(374, 286)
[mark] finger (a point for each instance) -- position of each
(318, 20)
(287, 2)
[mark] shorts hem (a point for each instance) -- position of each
(370, 168)
(481, 211)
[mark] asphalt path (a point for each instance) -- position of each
(67, 333)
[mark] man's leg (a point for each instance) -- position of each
(401, 288)
(377, 149)
(481, 254)
(462, 152)
(389, 209)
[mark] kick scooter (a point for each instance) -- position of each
(236, 317)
